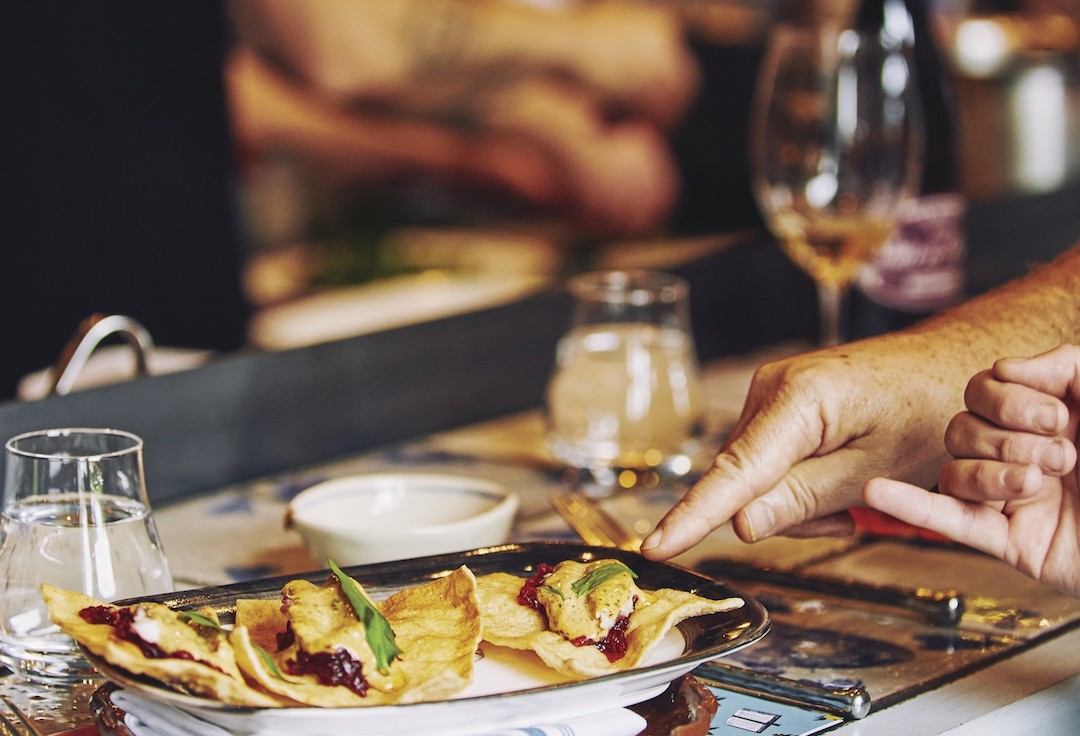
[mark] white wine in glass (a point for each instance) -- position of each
(836, 146)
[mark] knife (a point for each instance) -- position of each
(939, 607)
(849, 702)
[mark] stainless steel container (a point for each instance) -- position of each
(1018, 88)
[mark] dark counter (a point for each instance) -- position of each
(249, 415)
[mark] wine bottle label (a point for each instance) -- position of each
(921, 267)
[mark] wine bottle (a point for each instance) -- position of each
(920, 269)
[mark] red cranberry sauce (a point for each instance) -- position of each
(527, 594)
(286, 638)
(123, 622)
(331, 668)
(613, 644)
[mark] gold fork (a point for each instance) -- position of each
(592, 523)
(13, 722)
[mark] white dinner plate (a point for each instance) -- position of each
(510, 688)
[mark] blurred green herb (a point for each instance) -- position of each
(201, 620)
(268, 661)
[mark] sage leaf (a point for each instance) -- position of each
(593, 580)
(380, 637)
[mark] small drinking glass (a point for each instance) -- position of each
(75, 515)
(624, 404)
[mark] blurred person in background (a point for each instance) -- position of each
(119, 145)
(569, 110)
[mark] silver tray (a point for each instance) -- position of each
(510, 688)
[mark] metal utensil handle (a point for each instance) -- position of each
(849, 702)
(592, 523)
(939, 607)
(91, 332)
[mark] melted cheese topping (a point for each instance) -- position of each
(145, 627)
(159, 625)
(589, 616)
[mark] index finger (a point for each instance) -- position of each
(754, 461)
(1056, 372)
(977, 525)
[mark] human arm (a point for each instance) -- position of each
(816, 427)
(271, 112)
(424, 53)
(540, 142)
(478, 93)
(1011, 490)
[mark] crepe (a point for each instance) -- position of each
(210, 672)
(436, 626)
(507, 622)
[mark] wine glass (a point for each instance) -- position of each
(836, 151)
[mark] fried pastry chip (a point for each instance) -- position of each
(510, 624)
(436, 625)
(210, 672)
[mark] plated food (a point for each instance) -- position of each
(284, 639)
(322, 645)
(153, 640)
(586, 619)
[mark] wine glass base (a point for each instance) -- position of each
(605, 481)
(49, 668)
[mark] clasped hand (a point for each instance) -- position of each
(1012, 488)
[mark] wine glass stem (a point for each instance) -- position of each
(830, 307)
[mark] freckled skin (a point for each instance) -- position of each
(816, 427)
